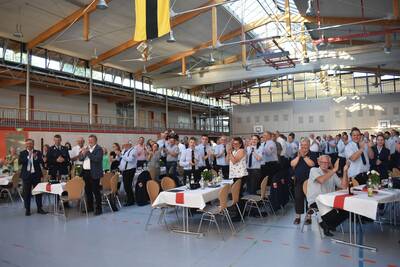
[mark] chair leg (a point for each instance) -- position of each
(148, 220)
(201, 221)
(228, 217)
(119, 202)
(109, 204)
(216, 224)
(272, 208)
(258, 208)
(244, 210)
(176, 212)
(240, 213)
(341, 228)
(302, 226)
(84, 203)
(165, 220)
(63, 208)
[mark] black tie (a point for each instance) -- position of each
(225, 153)
(126, 162)
(193, 166)
(251, 157)
(207, 161)
(364, 161)
(328, 147)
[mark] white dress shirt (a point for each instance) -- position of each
(255, 164)
(357, 166)
(128, 159)
(186, 158)
(86, 162)
(341, 148)
(282, 141)
(74, 152)
(269, 151)
(200, 151)
(220, 150)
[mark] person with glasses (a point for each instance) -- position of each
(237, 161)
(323, 180)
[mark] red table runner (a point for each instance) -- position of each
(338, 203)
(180, 198)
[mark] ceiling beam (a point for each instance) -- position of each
(345, 20)
(375, 70)
(175, 21)
(86, 27)
(396, 8)
(62, 25)
(237, 32)
(10, 82)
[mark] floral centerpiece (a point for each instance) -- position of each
(207, 175)
(78, 170)
(375, 179)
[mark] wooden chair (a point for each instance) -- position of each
(167, 183)
(253, 200)
(235, 190)
(112, 190)
(12, 187)
(153, 189)
(76, 192)
(211, 211)
(395, 172)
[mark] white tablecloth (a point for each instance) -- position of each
(191, 198)
(5, 180)
(56, 189)
(359, 203)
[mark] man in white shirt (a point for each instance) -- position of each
(74, 153)
(220, 153)
(322, 180)
(204, 150)
(172, 152)
(162, 142)
(356, 152)
(189, 161)
(314, 145)
(341, 145)
(294, 146)
(270, 157)
(127, 166)
(394, 140)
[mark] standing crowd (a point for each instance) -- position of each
(325, 163)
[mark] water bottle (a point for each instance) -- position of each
(390, 183)
(187, 182)
(370, 189)
(202, 182)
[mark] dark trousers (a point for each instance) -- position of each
(27, 193)
(92, 187)
(127, 177)
(140, 163)
(361, 178)
(270, 169)
(342, 162)
(225, 171)
(299, 196)
(334, 218)
(253, 181)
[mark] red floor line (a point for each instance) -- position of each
(304, 247)
(325, 251)
(267, 241)
(250, 238)
(392, 265)
(370, 261)
(345, 256)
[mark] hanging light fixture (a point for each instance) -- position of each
(310, 10)
(211, 60)
(171, 38)
(102, 4)
(256, 84)
(144, 71)
(188, 75)
(94, 56)
(387, 49)
(18, 31)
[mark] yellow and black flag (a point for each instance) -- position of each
(152, 19)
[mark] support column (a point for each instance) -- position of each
(166, 110)
(191, 112)
(209, 113)
(134, 105)
(91, 96)
(28, 86)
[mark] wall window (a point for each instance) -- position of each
(266, 118)
(300, 120)
(257, 119)
(285, 117)
(310, 119)
(396, 111)
(321, 118)
(337, 114)
(276, 118)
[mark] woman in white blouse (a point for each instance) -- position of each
(254, 159)
(237, 161)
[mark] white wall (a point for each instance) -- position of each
(318, 115)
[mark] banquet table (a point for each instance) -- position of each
(186, 198)
(357, 204)
(137, 173)
(52, 189)
(5, 179)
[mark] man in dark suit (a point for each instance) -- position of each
(58, 159)
(31, 173)
(92, 157)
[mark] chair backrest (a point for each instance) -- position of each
(152, 172)
(15, 180)
(180, 170)
(114, 183)
(167, 183)
(395, 172)
(263, 187)
(153, 189)
(305, 187)
(235, 189)
(223, 196)
(75, 188)
(355, 182)
(106, 181)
